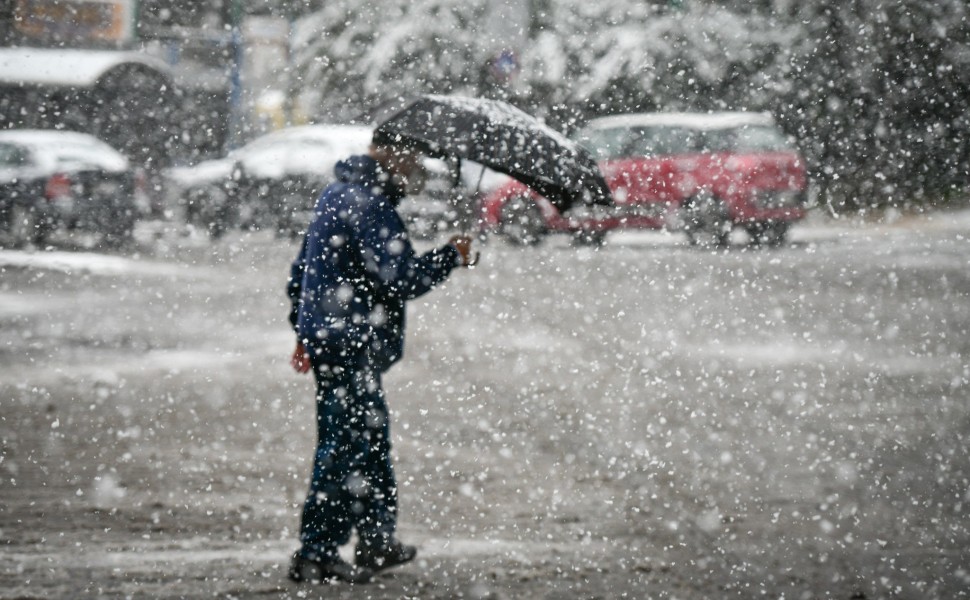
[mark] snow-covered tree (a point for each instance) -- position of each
(350, 55)
(878, 94)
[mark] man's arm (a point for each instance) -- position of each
(299, 360)
(390, 260)
(294, 285)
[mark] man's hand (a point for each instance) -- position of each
(463, 244)
(300, 361)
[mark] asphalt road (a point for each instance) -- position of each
(646, 420)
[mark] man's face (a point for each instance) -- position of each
(408, 171)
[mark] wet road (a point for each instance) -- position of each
(643, 420)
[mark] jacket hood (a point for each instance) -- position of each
(364, 171)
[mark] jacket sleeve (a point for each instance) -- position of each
(294, 286)
(390, 261)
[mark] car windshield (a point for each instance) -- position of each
(660, 140)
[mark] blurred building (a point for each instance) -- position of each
(162, 80)
(72, 64)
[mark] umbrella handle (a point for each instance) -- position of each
(478, 188)
(474, 258)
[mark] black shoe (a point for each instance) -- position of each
(385, 556)
(316, 571)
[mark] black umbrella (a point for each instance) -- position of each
(501, 137)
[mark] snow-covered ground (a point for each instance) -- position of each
(646, 420)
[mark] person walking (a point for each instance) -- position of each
(348, 287)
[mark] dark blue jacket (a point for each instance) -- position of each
(356, 269)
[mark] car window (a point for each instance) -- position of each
(12, 156)
(618, 142)
(604, 143)
(663, 140)
(749, 138)
(659, 141)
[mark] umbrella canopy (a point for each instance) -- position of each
(501, 137)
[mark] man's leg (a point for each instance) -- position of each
(377, 523)
(327, 519)
(378, 549)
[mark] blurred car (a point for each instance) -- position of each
(52, 180)
(702, 174)
(270, 183)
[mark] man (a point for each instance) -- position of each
(349, 285)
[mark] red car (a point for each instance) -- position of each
(703, 174)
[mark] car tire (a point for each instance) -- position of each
(211, 209)
(120, 232)
(589, 237)
(522, 223)
(768, 233)
(291, 217)
(25, 228)
(706, 221)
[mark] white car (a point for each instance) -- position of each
(270, 183)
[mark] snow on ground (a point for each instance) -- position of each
(18, 304)
(646, 420)
(86, 262)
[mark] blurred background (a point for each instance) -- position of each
(873, 92)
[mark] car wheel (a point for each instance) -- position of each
(25, 227)
(589, 237)
(706, 221)
(768, 233)
(522, 222)
(291, 218)
(211, 209)
(120, 232)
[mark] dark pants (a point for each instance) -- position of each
(353, 481)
